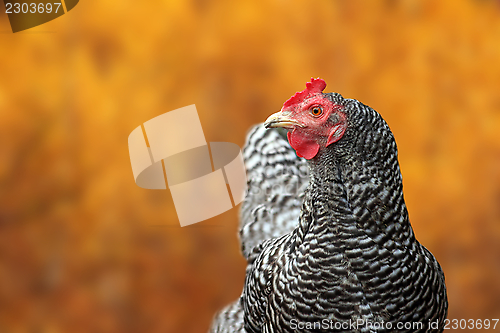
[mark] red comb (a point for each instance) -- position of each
(314, 87)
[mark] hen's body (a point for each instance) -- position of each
(352, 264)
(277, 180)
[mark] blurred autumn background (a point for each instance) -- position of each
(83, 249)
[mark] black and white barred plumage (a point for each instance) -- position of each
(277, 179)
(351, 256)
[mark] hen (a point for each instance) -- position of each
(349, 261)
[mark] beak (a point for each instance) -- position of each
(279, 119)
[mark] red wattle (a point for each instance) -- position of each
(304, 146)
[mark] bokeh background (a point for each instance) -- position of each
(83, 249)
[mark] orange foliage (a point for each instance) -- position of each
(83, 249)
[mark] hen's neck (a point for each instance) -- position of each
(347, 192)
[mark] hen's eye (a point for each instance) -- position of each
(316, 111)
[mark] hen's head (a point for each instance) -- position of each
(314, 120)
